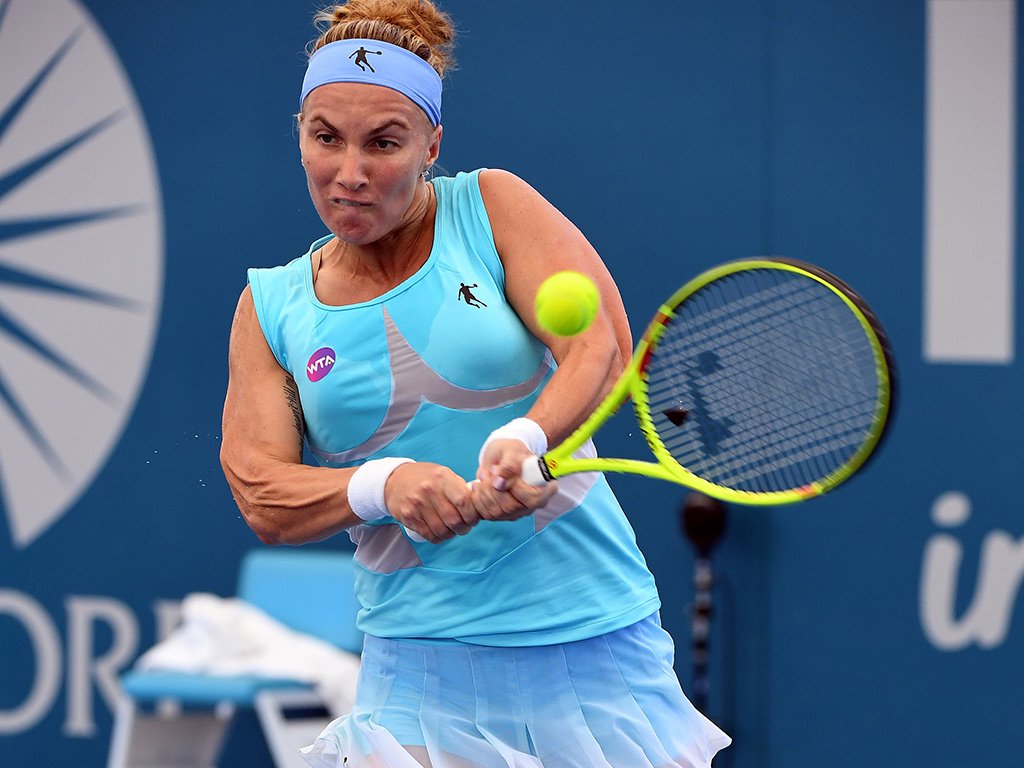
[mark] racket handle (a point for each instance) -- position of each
(535, 472)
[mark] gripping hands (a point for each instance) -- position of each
(435, 504)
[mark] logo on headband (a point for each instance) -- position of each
(361, 61)
(403, 71)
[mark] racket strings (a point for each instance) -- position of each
(776, 376)
(776, 439)
(771, 445)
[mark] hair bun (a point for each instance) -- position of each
(416, 25)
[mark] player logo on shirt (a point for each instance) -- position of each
(467, 295)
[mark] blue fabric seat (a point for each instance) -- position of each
(199, 690)
(308, 590)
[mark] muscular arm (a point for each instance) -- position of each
(534, 241)
(282, 500)
(287, 502)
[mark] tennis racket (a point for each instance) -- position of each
(761, 381)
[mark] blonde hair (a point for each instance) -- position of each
(416, 25)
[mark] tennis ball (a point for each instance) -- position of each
(567, 303)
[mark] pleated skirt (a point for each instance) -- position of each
(611, 701)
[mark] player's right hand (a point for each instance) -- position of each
(431, 500)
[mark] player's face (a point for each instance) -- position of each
(364, 148)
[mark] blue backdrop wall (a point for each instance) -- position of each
(147, 157)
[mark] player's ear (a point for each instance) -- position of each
(434, 150)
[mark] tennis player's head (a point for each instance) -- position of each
(370, 112)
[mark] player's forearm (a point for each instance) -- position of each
(584, 376)
(288, 503)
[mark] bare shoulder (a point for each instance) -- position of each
(503, 189)
(245, 316)
(498, 180)
(517, 211)
(245, 304)
(248, 345)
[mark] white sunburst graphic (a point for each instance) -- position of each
(81, 258)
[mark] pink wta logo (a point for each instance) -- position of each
(320, 363)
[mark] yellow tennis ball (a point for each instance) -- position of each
(567, 303)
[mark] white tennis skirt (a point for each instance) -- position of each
(608, 702)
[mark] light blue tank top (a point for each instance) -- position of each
(427, 371)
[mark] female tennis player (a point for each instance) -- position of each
(506, 625)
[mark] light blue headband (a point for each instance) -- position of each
(376, 63)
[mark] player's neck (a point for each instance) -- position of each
(345, 273)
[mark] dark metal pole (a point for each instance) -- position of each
(702, 520)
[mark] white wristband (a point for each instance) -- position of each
(366, 487)
(525, 430)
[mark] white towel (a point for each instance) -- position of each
(228, 636)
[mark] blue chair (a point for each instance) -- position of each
(177, 720)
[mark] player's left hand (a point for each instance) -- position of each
(499, 493)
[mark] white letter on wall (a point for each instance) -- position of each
(83, 668)
(46, 645)
(970, 169)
